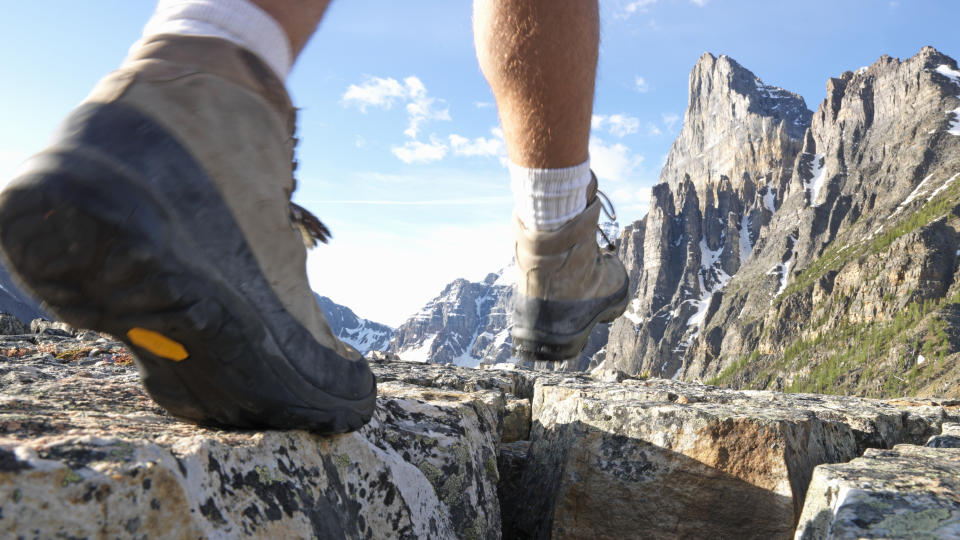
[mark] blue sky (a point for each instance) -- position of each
(399, 150)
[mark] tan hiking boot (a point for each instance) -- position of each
(161, 214)
(565, 286)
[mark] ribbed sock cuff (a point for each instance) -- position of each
(545, 199)
(239, 21)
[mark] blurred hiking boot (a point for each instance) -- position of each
(566, 285)
(161, 214)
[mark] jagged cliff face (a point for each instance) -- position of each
(722, 183)
(817, 259)
(868, 233)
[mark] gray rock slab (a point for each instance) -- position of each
(666, 459)
(907, 492)
(85, 453)
(949, 437)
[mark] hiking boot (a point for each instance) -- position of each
(565, 286)
(161, 214)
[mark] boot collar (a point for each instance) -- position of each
(221, 58)
(579, 229)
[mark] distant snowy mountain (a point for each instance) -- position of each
(466, 325)
(16, 302)
(362, 334)
(469, 324)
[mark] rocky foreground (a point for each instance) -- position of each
(461, 453)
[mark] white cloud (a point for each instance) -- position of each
(374, 92)
(640, 84)
(421, 107)
(638, 6)
(653, 130)
(483, 104)
(419, 152)
(670, 120)
(618, 125)
(613, 162)
(384, 93)
(481, 146)
(621, 124)
(700, 3)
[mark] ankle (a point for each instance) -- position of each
(546, 199)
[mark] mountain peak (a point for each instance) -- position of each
(722, 81)
(731, 109)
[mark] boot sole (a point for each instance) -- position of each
(91, 236)
(534, 345)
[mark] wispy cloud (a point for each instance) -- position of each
(619, 125)
(420, 152)
(700, 3)
(421, 107)
(480, 146)
(638, 6)
(383, 93)
(653, 130)
(640, 84)
(483, 104)
(374, 92)
(613, 162)
(670, 120)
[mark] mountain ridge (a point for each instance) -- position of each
(875, 139)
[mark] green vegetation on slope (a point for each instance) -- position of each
(877, 359)
(836, 257)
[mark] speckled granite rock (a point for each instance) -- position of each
(666, 459)
(85, 453)
(907, 492)
(949, 437)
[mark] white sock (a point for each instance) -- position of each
(239, 21)
(545, 199)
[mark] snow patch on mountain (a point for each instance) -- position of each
(954, 127)
(361, 334)
(769, 199)
(712, 278)
(421, 353)
(782, 269)
(817, 178)
(913, 195)
(950, 73)
(746, 246)
(941, 188)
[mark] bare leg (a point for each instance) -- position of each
(540, 58)
(299, 18)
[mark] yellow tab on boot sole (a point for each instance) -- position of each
(157, 344)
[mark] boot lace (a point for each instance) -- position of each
(311, 229)
(611, 214)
